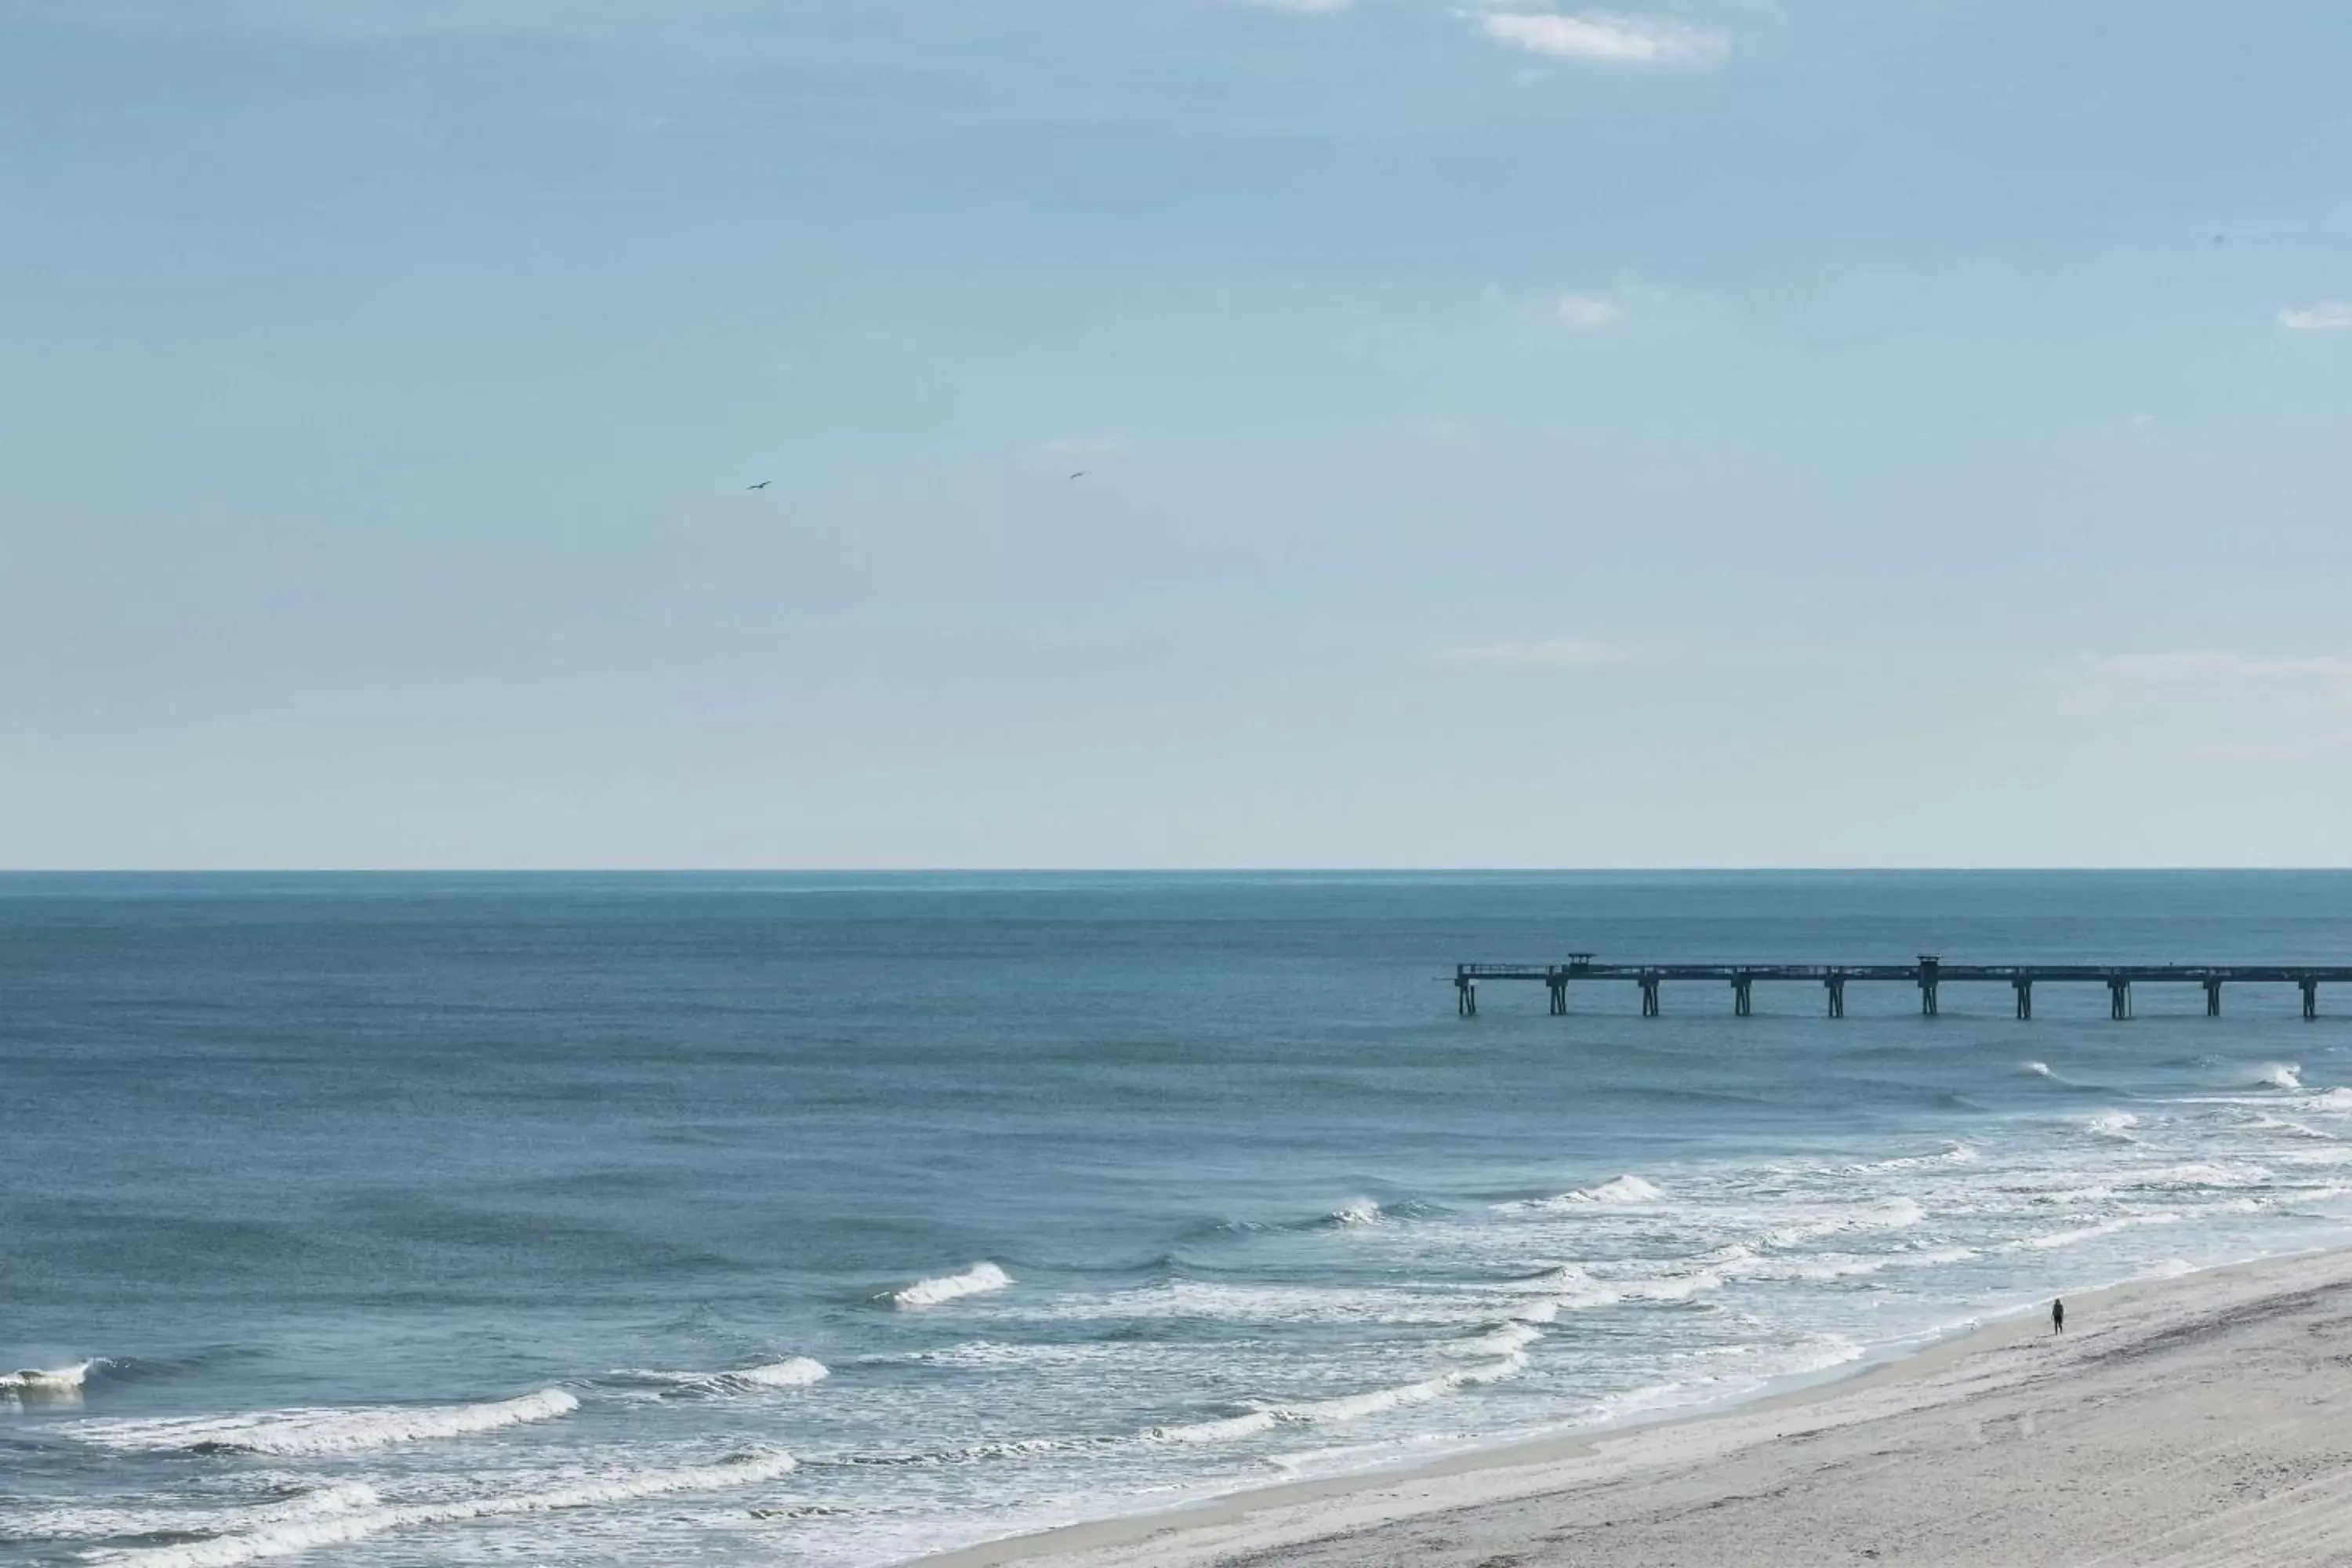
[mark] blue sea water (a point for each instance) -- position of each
(389, 1220)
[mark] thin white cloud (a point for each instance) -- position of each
(1622, 40)
(1587, 312)
(2216, 690)
(2216, 667)
(1102, 446)
(1564, 653)
(2328, 316)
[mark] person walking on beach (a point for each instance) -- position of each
(2057, 1317)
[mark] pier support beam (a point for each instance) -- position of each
(2212, 998)
(1741, 1003)
(2024, 997)
(1557, 984)
(2310, 997)
(1649, 995)
(1835, 986)
(2118, 999)
(1465, 996)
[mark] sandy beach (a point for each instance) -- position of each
(2206, 1420)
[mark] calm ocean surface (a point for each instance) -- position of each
(831, 1220)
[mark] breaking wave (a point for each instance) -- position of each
(976, 1280)
(1619, 1190)
(314, 1432)
(1954, 1153)
(347, 1527)
(798, 1372)
(2279, 1075)
(47, 1380)
(1347, 1407)
(1508, 1339)
(104, 1522)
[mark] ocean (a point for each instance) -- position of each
(740, 1219)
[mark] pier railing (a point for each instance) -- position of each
(1930, 975)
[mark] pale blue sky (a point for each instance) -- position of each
(1781, 432)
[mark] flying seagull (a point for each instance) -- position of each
(763, 484)
(1079, 475)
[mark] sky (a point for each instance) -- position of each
(1719, 434)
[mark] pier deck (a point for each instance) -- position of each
(1930, 973)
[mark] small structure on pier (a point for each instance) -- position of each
(1929, 975)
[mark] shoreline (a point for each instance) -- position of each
(1291, 1519)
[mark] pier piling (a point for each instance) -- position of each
(1929, 974)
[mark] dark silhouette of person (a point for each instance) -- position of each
(2057, 1317)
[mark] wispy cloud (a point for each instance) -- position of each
(2215, 666)
(2328, 316)
(2221, 705)
(392, 19)
(1102, 446)
(1587, 312)
(1622, 40)
(2226, 685)
(1566, 653)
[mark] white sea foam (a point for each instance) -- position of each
(46, 1380)
(2092, 1232)
(1237, 1301)
(2332, 1099)
(798, 1372)
(1356, 1406)
(2036, 1069)
(1504, 1340)
(311, 1433)
(2201, 1173)
(1627, 1189)
(1825, 1266)
(976, 1280)
(2293, 1129)
(1224, 1429)
(1884, 1213)
(1567, 1288)
(1345, 1407)
(101, 1523)
(1954, 1154)
(1617, 1191)
(1361, 1211)
(345, 1527)
(2279, 1075)
(2115, 1124)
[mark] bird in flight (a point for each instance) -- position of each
(763, 484)
(1079, 475)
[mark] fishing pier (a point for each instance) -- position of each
(1929, 975)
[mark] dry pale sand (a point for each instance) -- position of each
(2201, 1420)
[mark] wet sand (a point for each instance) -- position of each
(2203, 1420)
